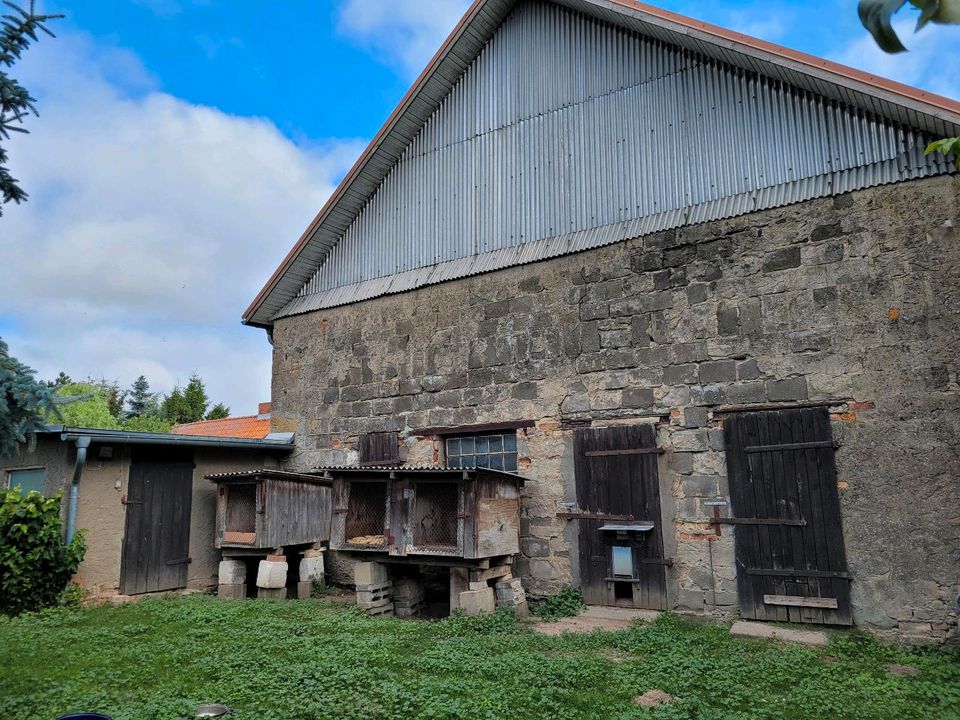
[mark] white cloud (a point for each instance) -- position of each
(151, 224)
(403, 32)
(931, 63)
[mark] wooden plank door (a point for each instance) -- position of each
(616, 477)
(156, 543)
(791, 563)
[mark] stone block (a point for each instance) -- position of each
(534, 547)
(782, 259)
(474, 602)
(698, 485)
(231, 592)
(370, 573)
(695, 417)
(304, 589)
(689, 440)
(728, 320)
(272, 593)
(717, 371)
(637, 397)
(232, 572)
(680, 374)
(748, 370)
(311, 568)
(790, 389)
(744, 628)
(271, 575)
(690, 600)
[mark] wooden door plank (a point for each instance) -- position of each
(799, 601)
(810, 562)
(741, 503)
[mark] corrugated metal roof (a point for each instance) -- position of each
(129, 437)
(415, 470)
(264, 472)
(560, 133)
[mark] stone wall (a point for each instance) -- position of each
(849, 302)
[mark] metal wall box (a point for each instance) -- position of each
(425, 511)
(264, 509)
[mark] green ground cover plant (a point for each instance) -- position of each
(273, 660)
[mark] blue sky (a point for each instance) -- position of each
(184, 144)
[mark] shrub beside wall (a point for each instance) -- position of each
(35, 563)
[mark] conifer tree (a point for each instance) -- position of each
(218, 412)
(18, 28)
(24, 404)
(195, 399)
(139, 398)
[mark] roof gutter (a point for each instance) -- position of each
(83, 443)
(121, 437)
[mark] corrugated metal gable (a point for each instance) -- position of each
(567, 133)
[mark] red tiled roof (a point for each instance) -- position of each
(244, 426)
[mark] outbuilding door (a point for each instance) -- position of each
(156, 543)
(618, 498)
(791, 563)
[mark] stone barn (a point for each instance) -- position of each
(699, 290)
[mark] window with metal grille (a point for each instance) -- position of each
(241, 508)
(435, 509)
(495, 451)
(365, 524)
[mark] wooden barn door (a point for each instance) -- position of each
(791, 564)
(617, 484)
(156, 544)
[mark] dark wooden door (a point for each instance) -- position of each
(617, 480)
(791, 563)
(156, 544)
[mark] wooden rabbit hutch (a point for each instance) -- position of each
(465, 514)
(268, 509)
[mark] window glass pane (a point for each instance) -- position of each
(496, 462)
(496, 443)
(510, 442)
(454, 462)
(453, 446)
(483, 461)
(28, 480)
(483, 444)
(510, 463)
(622, 561)
(466, 446)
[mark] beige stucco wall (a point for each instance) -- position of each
(101, 512)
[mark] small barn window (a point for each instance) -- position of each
(495, 451)
(379, 448)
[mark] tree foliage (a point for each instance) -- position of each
(98, 404)
(877, 18)
(218, 412)
(187, 405)
(140, 401)
(18, 28)
(25, 404)
(35, 563)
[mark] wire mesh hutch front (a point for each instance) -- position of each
(271, 508)
(428, 511)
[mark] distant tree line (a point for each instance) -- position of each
(103, 404)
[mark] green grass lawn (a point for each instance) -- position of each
(311, 659)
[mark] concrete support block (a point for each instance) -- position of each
(304, 589)
(510, 593)
(370, 573)
(474, 602)
(272, 575)
(311, 568)
(228, 591)
(272, 593)
(458, 584)
(233, 572)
